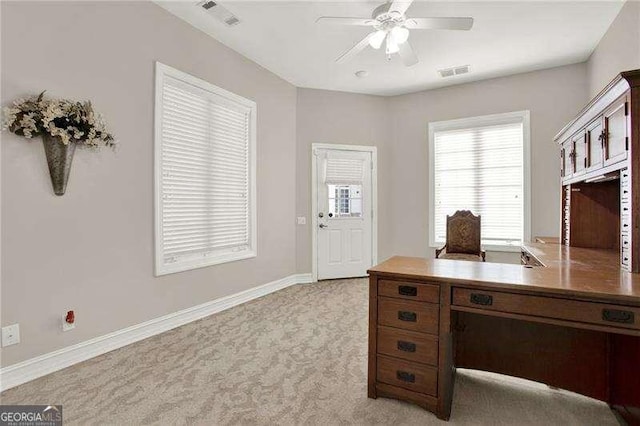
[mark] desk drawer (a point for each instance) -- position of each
(549, 307)
(408, 315)
(408, 345)
(409, 290)
(408, 375)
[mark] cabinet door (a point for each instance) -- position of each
(616, 130)
(595, 143)
(566, 160)
(579, 153)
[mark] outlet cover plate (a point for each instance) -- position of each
(10, 335)
(65, 325)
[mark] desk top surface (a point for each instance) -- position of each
(568, 271)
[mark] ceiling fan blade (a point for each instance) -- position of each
(400, 6)
(407, 54)
(439, 23)
(333, 20)
(355, 49)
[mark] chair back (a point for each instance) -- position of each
(463, 233)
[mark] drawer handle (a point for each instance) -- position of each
(406, 346)
(407, 290)
(406, 377)
(481, 299)
(407, 316)
(615, 315)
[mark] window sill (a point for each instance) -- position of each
(172, 268)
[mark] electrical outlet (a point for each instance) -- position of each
(10, 335)
(302, 220)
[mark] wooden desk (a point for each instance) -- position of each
(573, 323)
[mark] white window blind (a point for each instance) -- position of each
(481, 169)
(203, 174)
(344, 170)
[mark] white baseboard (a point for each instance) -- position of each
(22, 372)
(303, 278)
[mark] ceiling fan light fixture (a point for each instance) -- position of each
(400, 35)
(377, 38)
(390, 24)
(392, 46)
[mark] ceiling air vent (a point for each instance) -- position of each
(232, 21)
(450, 72)
(219, 12)
(446, 73)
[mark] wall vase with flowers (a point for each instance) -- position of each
(63, 124)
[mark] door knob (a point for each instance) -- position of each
(322, 225)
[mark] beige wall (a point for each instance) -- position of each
(618, 50)
(92, 249)
(341, 118)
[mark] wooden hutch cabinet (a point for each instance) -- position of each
(600, 171)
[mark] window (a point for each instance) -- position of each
(481, 164)
(345, 200)
(204, 173)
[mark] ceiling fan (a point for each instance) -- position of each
(391, 24)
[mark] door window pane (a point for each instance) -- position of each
(345, 200)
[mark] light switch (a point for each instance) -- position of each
(302, 220)
(10, 335)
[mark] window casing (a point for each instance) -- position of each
(205, 209)
(482, 164)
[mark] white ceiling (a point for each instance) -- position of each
(508, 37)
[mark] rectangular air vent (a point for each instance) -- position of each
(462, 70)
(450, 72)
(232, 21)
(219, 12)
(446, 73)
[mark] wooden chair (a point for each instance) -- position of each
(463, 238)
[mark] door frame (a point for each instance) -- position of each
(314, 200)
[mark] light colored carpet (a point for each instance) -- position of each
(298, 356)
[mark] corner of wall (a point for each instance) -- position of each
(618, 50)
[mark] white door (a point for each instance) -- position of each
(344, 213)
